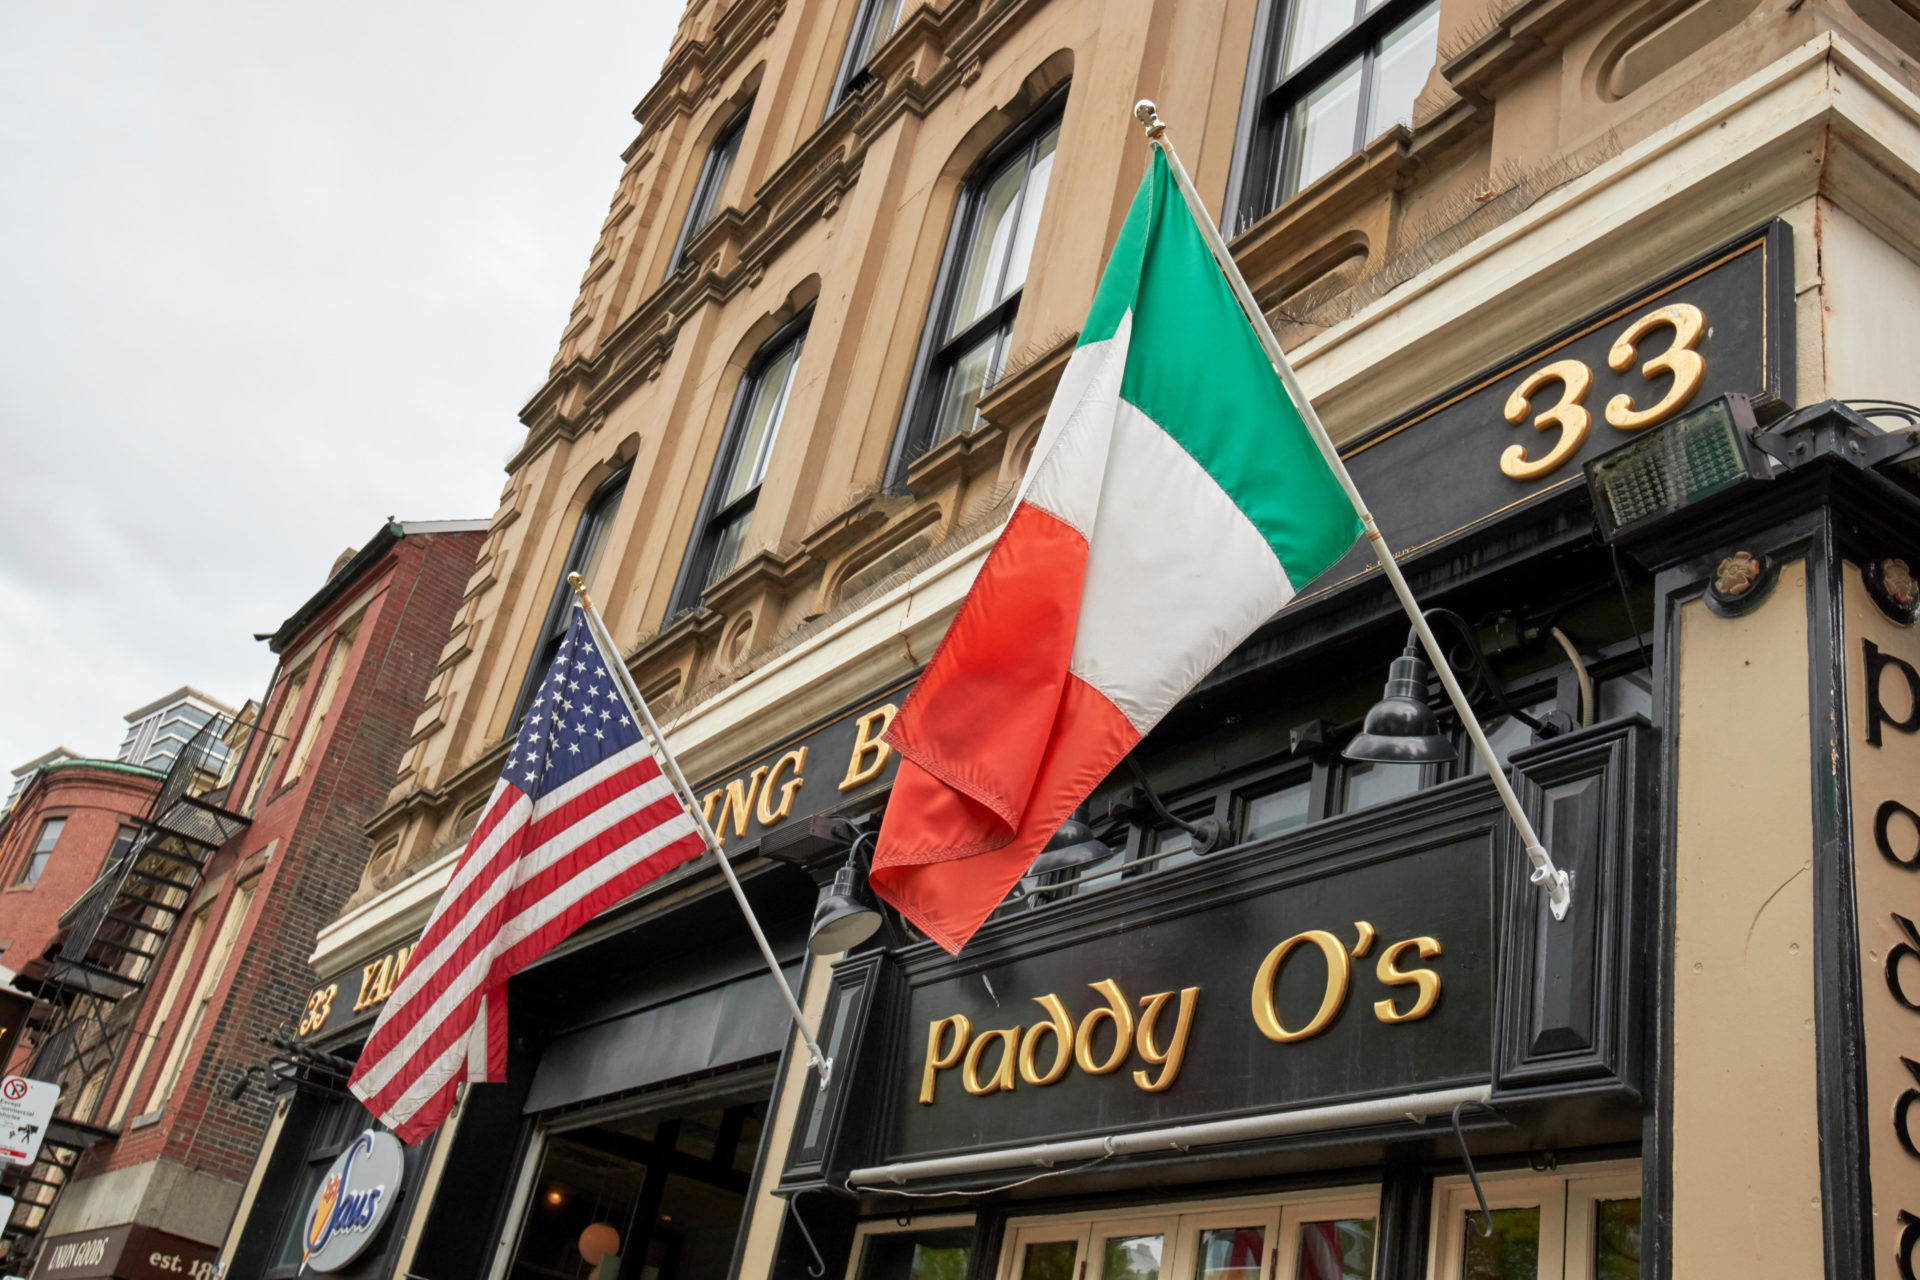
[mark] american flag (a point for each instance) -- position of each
(581, 817)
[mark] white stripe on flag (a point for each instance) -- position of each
(448, 998)
(455, 1057)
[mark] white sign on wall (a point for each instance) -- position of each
(353, 1201)
(26, 1109)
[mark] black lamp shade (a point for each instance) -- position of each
(1401, 729)
(845, 916)
(1073, 845)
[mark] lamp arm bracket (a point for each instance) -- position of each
(1206, 833)
(1484, 667)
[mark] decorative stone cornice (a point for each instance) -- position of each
(1520, 34)
(1023, 395)
(695, 67)
(807, 186)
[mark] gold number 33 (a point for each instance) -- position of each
(1569, 414)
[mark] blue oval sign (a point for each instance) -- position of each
(353, 1201)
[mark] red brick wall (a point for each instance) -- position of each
(96, 803)
(315, 831)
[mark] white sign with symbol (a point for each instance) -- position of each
(26, 1108)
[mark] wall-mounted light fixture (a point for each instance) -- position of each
(1703, 452)
(1401, 728)
(1073, 845)
(846, 914)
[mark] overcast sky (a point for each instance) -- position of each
(269, 273)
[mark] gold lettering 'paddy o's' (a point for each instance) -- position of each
(1041, 1054)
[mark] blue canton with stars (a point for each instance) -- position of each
(577, 719)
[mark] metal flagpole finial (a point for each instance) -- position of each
(1148, 115)
(579, 585)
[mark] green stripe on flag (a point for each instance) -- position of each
(1196, 368)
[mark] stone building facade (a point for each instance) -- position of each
(840, 275)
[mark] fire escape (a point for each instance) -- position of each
(110, 944)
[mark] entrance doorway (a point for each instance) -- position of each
(643, 1195)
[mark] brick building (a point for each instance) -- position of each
(71, 814)
(162, 1144)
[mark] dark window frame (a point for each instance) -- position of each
(600, 507)
(706, 190)
(30, 873)
(852, 73)
(934, 356)
(126, 832)
(690, 586)
(1271, 93)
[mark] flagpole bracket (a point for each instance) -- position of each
(1559, 887)
(824, 1065)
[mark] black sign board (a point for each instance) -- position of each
(355, 994)
(839, 765)
(1514, 437)
(1392, 951)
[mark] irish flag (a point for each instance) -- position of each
(1175, 501)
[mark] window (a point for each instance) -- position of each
(980, 284)
(662, 1194)
(1308, 1235)
(937, 1248)
(583, 557)
(164, 1018)
(196, 1011)
(1364, 785)
(872, 24)
(1273, 812)
(745, 447)
(1328, 76)
(276, 739)
(706, 192)
(1583, 1224)
(322, 703)
(123, 841)
(42, 850)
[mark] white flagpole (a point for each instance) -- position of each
(1558, 884)
(820, 1060)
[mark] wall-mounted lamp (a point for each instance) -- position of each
(1073, 845)
(1402, 729)
(846, 914)
(1207, 833)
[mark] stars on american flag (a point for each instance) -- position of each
(577, 719)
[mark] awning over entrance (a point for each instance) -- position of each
(734, 1022)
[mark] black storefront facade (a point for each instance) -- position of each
(643, 1061)
(1350, 1040)
(1296, 1016)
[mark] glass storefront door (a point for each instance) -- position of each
(648, 1196)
